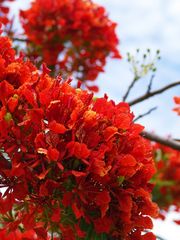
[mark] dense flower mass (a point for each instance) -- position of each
(167, 179)
(71, 165)
(177, 101)
(73, 36)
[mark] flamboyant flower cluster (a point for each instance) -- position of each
(71, 36)
(72, 166)
(167, 179)
(18, 235)
(4, 10)
(177, 101)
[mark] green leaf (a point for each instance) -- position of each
(120, 179)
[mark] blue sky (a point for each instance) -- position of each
(143, 24)
(146, 24)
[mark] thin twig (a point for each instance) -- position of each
(151, 94)
(157, 236)
(145, 114)
(160, 238)
(129, 88)
(150, 84)
(20, 40)
(156, 138)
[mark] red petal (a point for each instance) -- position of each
(78, 212)
(6, 90)
(77, 149)
(53, 154)
(45, 69)
(109, 132)
(102, 225)
(67, 199)
(12, 104)
(177, 100)
(93, 88)
(127, 161)
(41, 232)
(56, 215)
(123, 120)
(80, 233)
(78, 174)
(102, 200)
(57, 127)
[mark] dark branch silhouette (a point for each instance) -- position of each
(159, 238)
(150, 84)
(129, 88)
(151, 94)
(165, 141)
(145, 114)
(20, 40)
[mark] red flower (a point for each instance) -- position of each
(4, 10)
(177, 101)
(103, 199)
(17, 235)
(75, 37)
(75, 164)
(57, 127)
(78, 150)
(167, 179)
(103, 225)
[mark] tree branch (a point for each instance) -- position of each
(151, 94)
(159, 238)
(20, 40)
(156, 138)
(150, 84)
(145, 114)
(129, 89)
